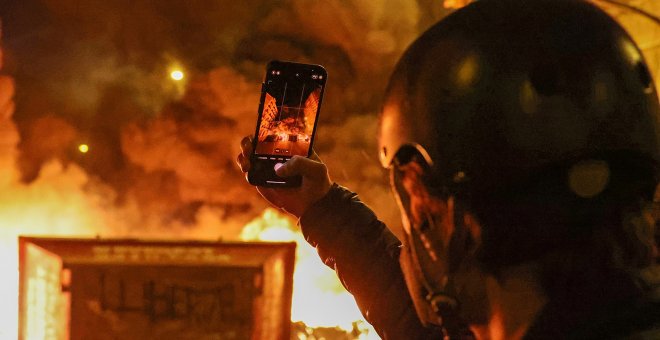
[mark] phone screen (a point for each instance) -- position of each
(289, 111)
(290, 103)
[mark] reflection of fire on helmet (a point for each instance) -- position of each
(540, 120)
(456, 3)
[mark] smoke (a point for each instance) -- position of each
(8, 132)
(96, 73)
(189, 150)
(350, 152)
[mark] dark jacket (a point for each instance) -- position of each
(365, 254)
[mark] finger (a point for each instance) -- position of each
(304, 166)
(243, 162)
(246, 146)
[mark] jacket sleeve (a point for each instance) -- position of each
(365, 255)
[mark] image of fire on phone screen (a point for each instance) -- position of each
(288, 112)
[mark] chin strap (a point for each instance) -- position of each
(440, 295)
(443, 304)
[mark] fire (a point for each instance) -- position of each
(319, 299)
(57, 204)
(53, 205)
(456, 4)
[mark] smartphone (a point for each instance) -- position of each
(291, 97)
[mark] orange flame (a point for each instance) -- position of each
(58, 204)
(456, 4)
(319, 299)
(53, 205)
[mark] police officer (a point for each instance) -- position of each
(522, 140)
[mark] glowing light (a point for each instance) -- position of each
(456, 4)
(55, 205)
(83, 148)
(314, 284)
(177, 75)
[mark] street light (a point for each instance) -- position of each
(177, 75)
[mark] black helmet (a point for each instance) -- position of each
(522, 106)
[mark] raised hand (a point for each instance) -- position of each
(315, 184)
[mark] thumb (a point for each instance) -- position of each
(302, 166)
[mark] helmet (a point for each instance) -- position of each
(532, 115)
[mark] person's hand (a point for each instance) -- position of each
(315, 181)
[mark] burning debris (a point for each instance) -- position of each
(131, 289)
(314, 284)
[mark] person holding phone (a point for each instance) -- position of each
(523, 141)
